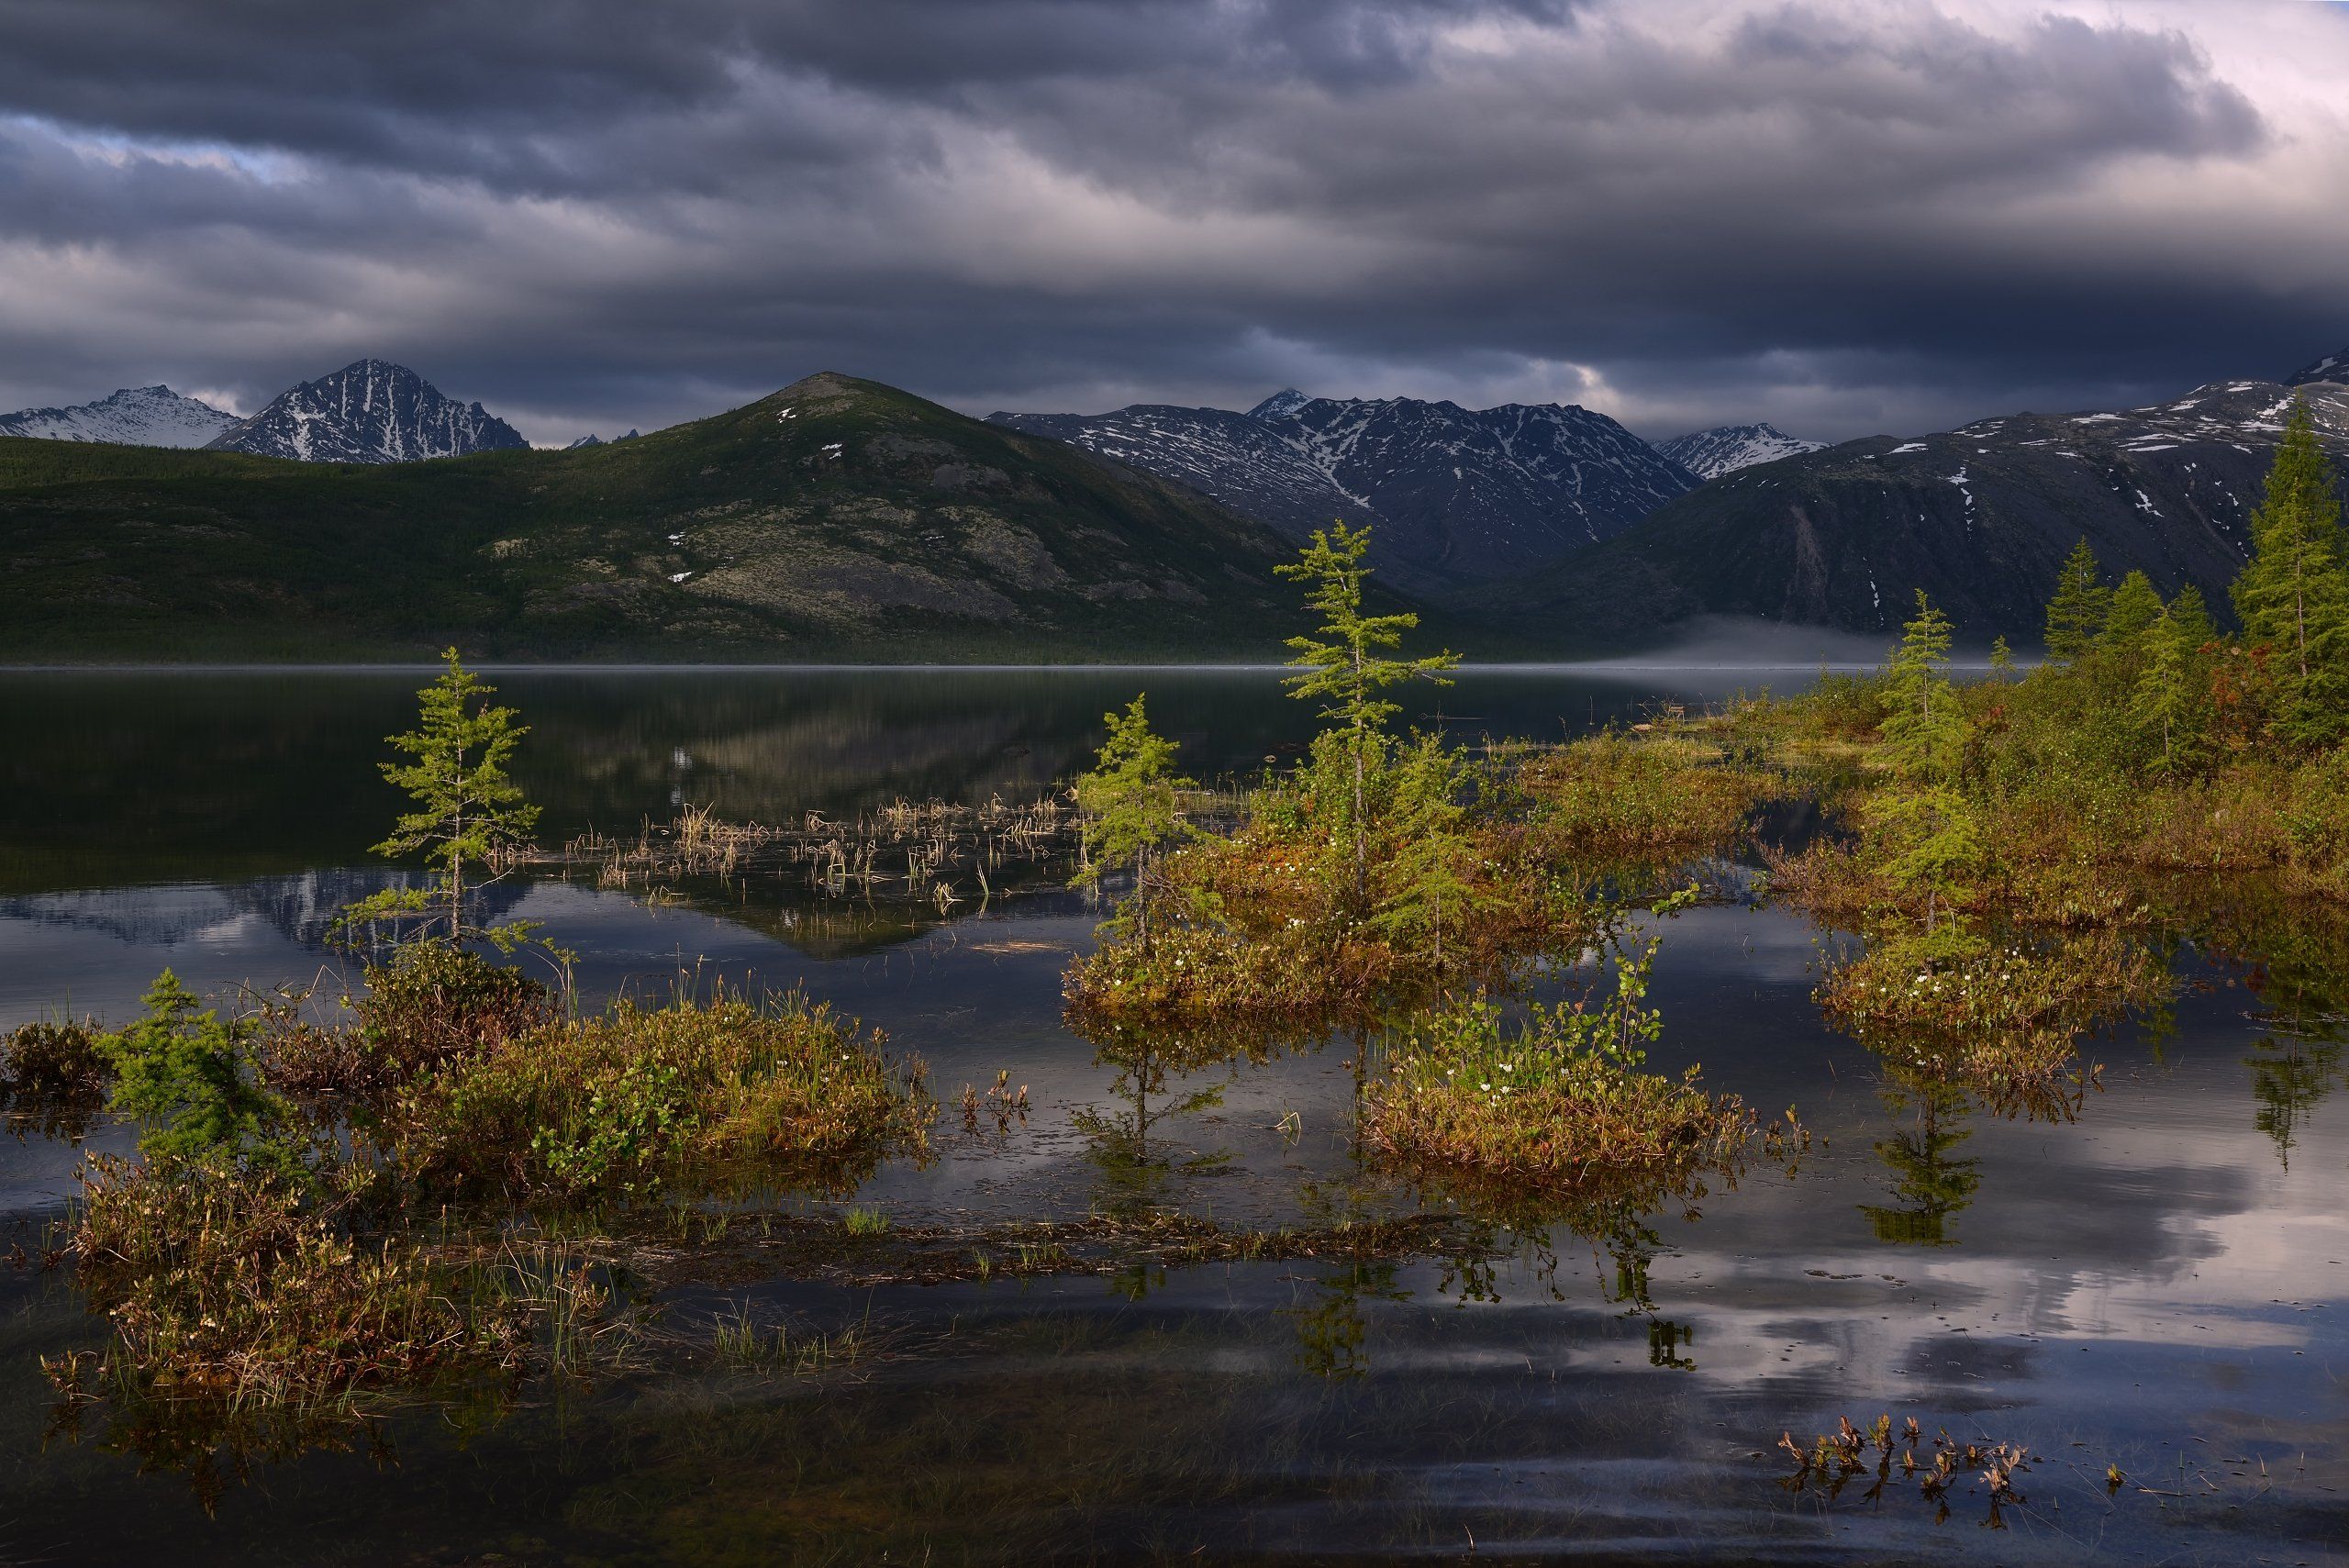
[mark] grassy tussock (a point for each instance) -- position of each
(1564, 1098)
(53, 1077)
(235, 1291)
(2005, 1012)
(1661, 796)
(632, 1101)
(1551, 1102)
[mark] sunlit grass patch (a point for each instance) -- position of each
(630, 1102)
(1559, 1098)
(1616, 794)
(236, 1289)
(1993, 1010)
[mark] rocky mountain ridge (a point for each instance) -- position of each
(1980, 517)
(134, 417)
(1725, 449)
(1456, 496)
(368, 411)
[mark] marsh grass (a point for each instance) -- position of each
(740, 1342)
(2006, 1011)
(1837, 1460)
(1662, 796)
(233, 1289)
(640, 1100)
(53, 1077)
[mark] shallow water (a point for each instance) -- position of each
(2159, 1284)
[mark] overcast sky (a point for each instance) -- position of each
(1842, 216)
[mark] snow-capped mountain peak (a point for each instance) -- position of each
(134, 417)
(368, 411)
(1724, 448)
(1280, 404)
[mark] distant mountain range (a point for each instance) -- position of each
(1456, 496)
(370, 411)
(1979, 517)
(1709, 454)
(836, 518)
(136, 416)
(844, 518)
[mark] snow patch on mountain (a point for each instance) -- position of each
(134, 417)
(1728, 447)
(370, 411)
(2333, 367)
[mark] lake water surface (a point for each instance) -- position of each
(2158, 1284)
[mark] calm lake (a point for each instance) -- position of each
(2159, 1284)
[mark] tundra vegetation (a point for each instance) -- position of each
(436, 1181)
(327, 1203)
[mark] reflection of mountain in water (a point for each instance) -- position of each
(299, 908)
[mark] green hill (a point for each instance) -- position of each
(836, 519)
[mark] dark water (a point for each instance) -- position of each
(2159, 1284)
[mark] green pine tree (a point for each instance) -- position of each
(2166, 704)
(1132, 804)
(2077, 613)
(1426, 885)
(2135, 606)
(190, 1081)
(469, 811)
(2002, 660)
(1923, 729)
(2293, 594)
(2192, 614)
(1348, 664)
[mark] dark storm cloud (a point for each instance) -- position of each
(1840, 215)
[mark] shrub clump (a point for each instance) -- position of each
(1565, 1098)
(628, 1102)
(432, 1004)
(53, 1077)
(1993, 1011)
(1619, 795)
(234, 1289)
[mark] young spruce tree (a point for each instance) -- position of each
(2293, 594)
(2166, 705)
(468, 810)
(1132, 805)
(1923, 729)
(2136, 606)
(1348, 664)
(2076, 614)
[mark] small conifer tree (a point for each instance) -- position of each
(2293, 594)
(1349, 665)
(468, 810)
(2135, 606)
(2077, 613)
(1132, 802)
(1923, 729)
(2166, 704)
(188, 1078)
(1426, 886)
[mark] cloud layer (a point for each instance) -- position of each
(1844, 216)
